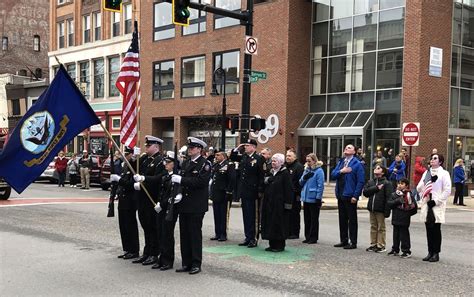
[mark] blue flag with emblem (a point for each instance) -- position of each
(59, 114)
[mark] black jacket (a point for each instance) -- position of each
(378, 198)
(400, 215)
(153, 169)
(250, 175)
(126, 192)
(223, 181)
(194, 186)
(296, 171)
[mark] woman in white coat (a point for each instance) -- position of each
(435, 188)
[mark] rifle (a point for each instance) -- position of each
(174, 189)
(111, 211)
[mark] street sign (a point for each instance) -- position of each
(251, 45)
(255, 76)
(411, 134)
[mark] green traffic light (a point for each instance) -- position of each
(184, 13)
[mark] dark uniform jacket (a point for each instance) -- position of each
(251, 175)
(296, 171)
(126, 191)
(277, 205)
(153, 169)
(378, 198)
(223, 180)
(195, 186)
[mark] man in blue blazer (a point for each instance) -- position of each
(350, 178)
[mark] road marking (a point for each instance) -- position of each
(43, 201)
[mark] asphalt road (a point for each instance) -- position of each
(70, 249)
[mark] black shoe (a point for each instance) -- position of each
(268, 249)
(130, 256)
(278, 250)
(214, 238)
(195, 270)
(293, 237)
(305, 241)
(166, 267)
(371, 248)
(157, 266)
(405, 255)
(183, 269)
(462, 204)
(393, 253)
(350, 246)
(434, 258)
(312, 241)
(252, 244)
(222, 239)
(123, 255)
(341, 244)
(150, 260)
(428, 257)
(245, 243)
(141, 259)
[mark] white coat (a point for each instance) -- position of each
(440, 193)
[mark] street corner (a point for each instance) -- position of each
(290, 255)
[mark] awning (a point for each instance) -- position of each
(336, 123)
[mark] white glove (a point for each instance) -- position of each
(158, 207)
(114, 177)
(137, 150)
(139, 178)
(178, 198)
(175, 178)
(136, 186)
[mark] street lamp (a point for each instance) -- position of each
(214, 92)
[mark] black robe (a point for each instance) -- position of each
(276, 206)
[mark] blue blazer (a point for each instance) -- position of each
(459, 174)
(350, 184)
(313, 188)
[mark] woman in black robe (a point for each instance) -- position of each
(277, 204)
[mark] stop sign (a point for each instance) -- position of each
(411, 134)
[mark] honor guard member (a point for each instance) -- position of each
(194, 180)
(151, 165)
(222, 186)
(167, 216)
(250, 188)
(127, 208)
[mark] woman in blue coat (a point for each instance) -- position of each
(396, 171)
(459, 178)
(312, 182)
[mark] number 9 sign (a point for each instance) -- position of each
(271, 129)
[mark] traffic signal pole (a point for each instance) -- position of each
(246, 19)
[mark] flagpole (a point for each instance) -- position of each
(126, 161)
(137, 85)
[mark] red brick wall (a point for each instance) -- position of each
(425, 98)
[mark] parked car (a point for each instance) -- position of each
(5, 189)
(105, 175)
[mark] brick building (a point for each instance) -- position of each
(338, 72)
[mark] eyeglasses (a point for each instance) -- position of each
(434, 158)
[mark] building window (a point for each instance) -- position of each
(128, 18)
(71, 70)
(319, 76)
(221, 21)
(340, 37)
(87, 28)
(389, 69)
(339, 76)
(99, 78)
(61, 2)
(193, 76)
(84, 78)
(229, 61)
(163, 27)
(363, 71)
(467, 67)
(116, 123)
(365, 33)
(4, 43)
(97, 26)
(115, 24)
(114, 69)
(61, 35)
(391, 28)
(70, 32)
(36, 43)
(16, 107)
(163, 83)
(197, 20)
(387, 109)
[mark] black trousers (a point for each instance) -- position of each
(433, 235)
(73, 179)
(220, 218)
(401, 234)
(311, 220)
(277, 244)
(147, 217)
(61, 178)
(347, 220)
(295, 217)
(129, 230)
(249, 214)
(459, 193)
(166, 240)
(190, 231)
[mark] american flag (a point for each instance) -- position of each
(128, 84)
(427, 189)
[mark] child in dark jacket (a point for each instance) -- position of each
(403, 206)
(378, 190)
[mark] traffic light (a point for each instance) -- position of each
(257, 124)
(113, 5)
(181, 12)
(232, 124)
